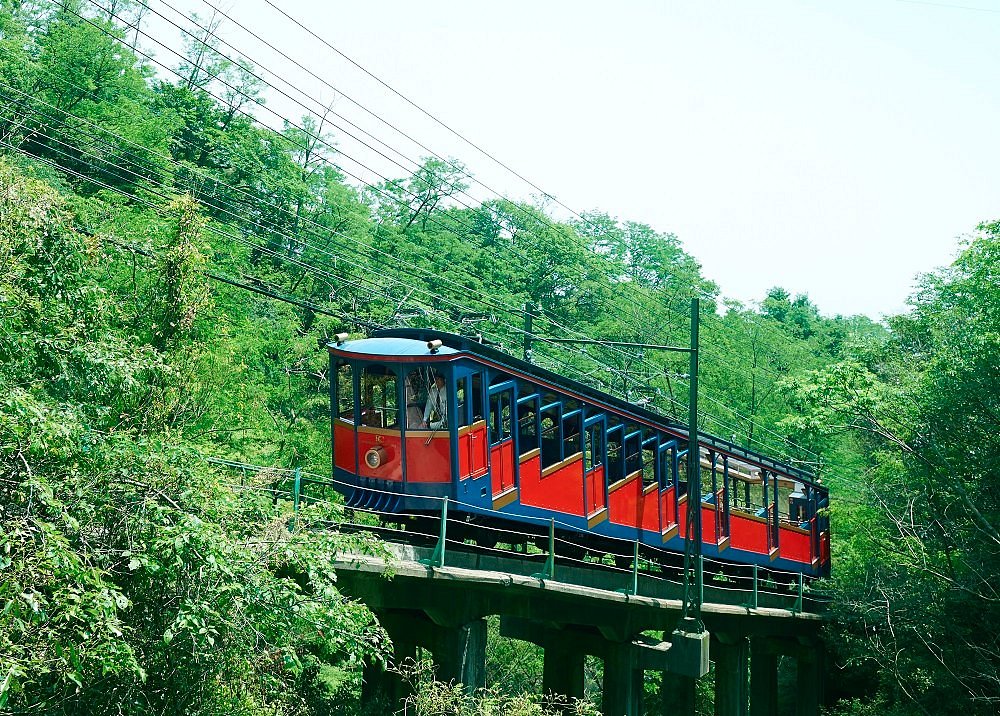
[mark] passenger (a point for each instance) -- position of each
(436, 410)
(414, 417)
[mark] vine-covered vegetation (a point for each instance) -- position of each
(170, 269)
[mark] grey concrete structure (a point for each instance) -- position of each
(585, 612)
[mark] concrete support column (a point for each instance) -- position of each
(460, 654)
(731, 661)
(386, 686)
(763, 678)
(562, 673)
(677, 694)
(622, 681)
(809, 681)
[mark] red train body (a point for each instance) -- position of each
(511, 441)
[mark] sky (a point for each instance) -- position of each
(834, 148)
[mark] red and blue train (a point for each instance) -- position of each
(420, 413)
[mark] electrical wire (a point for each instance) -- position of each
(584, 353)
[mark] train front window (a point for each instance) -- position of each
(415, 395)
(345, 392)
(379, 405)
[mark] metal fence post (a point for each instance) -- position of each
(755, 586)
(437, 559)
(635, 568)
(549, 570)
(798, 602)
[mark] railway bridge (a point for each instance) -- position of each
(632, 620)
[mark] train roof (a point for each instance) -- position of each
(393, 346)
(412, 342)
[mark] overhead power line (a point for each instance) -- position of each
(591, 357)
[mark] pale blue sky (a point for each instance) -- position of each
(834, 148)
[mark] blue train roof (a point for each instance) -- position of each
(392, 347)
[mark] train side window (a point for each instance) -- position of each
(649, 463)
(527, 425)
(379, 407)
(477, 397)
(494, 419)
(462, 400)
(633, 451)
(551, 442)
(666, 467)
(616, 455)
(571, 434)
(345, 392)
(593, 453)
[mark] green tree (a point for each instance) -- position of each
(921, 551)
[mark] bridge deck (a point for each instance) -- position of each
(476, 583)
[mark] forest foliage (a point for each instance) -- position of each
(170, 269)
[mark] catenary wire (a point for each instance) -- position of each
(719, 402)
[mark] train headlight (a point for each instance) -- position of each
(375, 457)
(434, 346)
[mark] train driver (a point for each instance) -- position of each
(436, 409)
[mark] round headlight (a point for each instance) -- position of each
(375, 457)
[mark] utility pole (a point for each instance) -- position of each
(693, 594)
(692, 606)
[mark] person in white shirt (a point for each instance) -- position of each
(436, 409)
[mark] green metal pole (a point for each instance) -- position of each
(437, 558)
(694, 465)
(552, 549)
(798, 604)
(549, 570)
(442, 538)
(635, 568)
(701, 582)
(755, 586)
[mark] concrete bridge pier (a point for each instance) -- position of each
(763, 677)
(562, 672)
(386, 685)
(457, 646)
(622, 692)
(442, 609)
(731, 656)
(460, 653)
(809, 658)
(626, 657)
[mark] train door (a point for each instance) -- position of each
(594, 486)
(500, 419)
